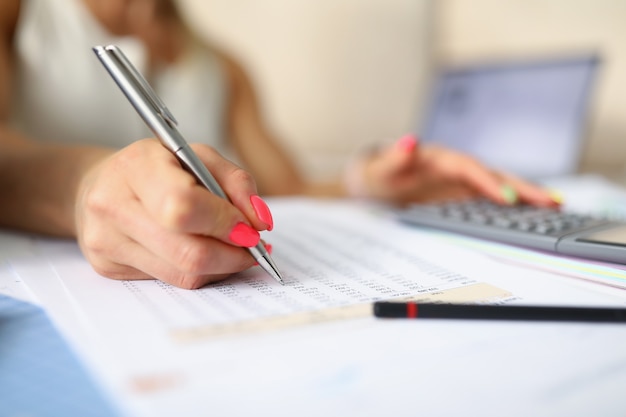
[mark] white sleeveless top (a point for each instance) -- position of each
(63, 93)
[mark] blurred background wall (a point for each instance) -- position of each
(339, 75)
(333, 75)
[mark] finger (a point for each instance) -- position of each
(530, 193)
(392, 173)
(440, 192)
(120, 257)
(98, 246)
(239, 185)
(175, 201)
(397, 159)
(468, 171)
(147, 266)
(174, 255)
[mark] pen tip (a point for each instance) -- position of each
(265, 261)
(275, 273)
(272, 269)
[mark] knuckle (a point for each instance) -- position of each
(126, 158)
(177, 208)
(197, 267)
(189, 281)
(97, 201)
(241, 175)
(470, 161)
(191, 259)
(91, 241)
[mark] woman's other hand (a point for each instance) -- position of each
(406, 172)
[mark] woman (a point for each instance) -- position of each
(72, 164)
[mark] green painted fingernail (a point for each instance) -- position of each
(509, 194)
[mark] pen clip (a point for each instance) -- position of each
(150, 95)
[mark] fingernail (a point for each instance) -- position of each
(509, 194)
(262, 211)
(244, 235)
(556, 197)
(407, 143)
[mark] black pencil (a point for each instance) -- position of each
(497, 312)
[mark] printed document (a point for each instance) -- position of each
(157, 344)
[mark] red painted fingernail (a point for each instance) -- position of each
(407, 143)
(262, 211)
(244, 235)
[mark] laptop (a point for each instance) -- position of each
(529, 119)
(523, 117)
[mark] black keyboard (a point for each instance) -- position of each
(524, 225)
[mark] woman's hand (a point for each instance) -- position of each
(140, 215)
(406, 172)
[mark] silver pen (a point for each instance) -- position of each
(163, 124)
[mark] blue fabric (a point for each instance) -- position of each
(39, 374)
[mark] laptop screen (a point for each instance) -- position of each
(523, 118)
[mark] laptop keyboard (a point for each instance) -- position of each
(523, 218)
(525, 225)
